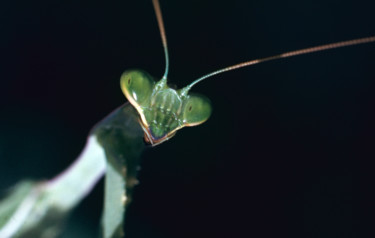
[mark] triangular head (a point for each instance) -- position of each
(162, 110)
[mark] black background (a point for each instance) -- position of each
(287, 152)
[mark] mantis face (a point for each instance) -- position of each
(162, 110)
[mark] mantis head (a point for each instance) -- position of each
(162, 110)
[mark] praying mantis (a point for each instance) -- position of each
(270, 123)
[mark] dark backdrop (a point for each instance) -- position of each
(287, 152)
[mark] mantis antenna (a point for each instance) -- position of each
(186, 89)
(162, 34)
(283, 55)
(163, 110)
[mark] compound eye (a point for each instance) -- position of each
(137, 86)
(197, 109)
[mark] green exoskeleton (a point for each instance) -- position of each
(162, 110)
